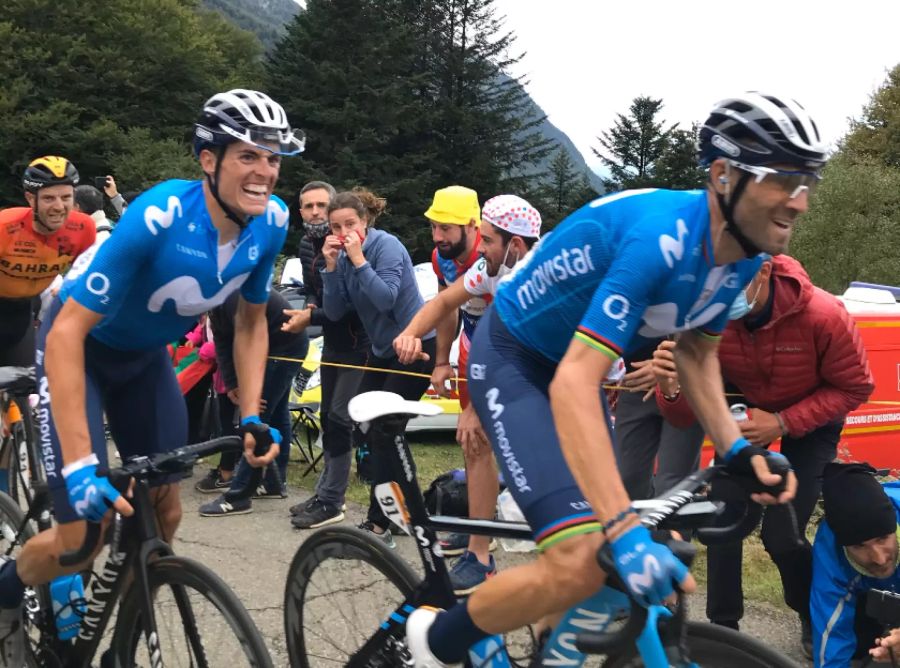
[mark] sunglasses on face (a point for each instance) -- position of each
(791, 182)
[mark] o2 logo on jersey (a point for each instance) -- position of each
(154, 216)
(616, 307)
(673, 249)
(98, 284)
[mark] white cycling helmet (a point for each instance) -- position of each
(512, 214)
(248, 116)
(759, 129)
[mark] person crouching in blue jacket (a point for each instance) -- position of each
(856, 549)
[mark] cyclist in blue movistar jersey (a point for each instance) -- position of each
(179, 250)
(622, 270)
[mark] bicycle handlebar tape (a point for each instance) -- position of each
(83, 553)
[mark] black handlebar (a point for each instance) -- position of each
(160, 465)
(731, 496)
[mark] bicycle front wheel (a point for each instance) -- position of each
(200, 622)
(712, 646)
(341, 586)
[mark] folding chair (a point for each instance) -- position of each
(306, 434)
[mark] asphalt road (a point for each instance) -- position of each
(252, 554)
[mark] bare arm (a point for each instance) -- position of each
(700, 376)
(439, 313)
(251, 346)
(64, 364)
(697, 361)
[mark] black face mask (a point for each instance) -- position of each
(316, 230)
(456, 249)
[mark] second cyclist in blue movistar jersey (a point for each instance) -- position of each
(179, 250)
(627, 268)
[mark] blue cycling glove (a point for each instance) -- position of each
(647, 568)
(737, 460)
(253, 425)
(90, 495)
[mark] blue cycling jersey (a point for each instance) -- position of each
(619, 272)
(160, 269)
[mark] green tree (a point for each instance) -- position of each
(416, 100)
(77, 77)
(677, 166)
(876, 135)
(852, 229)
(632, 147)
(562, 191)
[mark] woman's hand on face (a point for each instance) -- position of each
(353, 248)
(330, 250)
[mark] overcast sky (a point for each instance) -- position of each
(587, 59)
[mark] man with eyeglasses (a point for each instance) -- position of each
(794, 354)
(619, 272)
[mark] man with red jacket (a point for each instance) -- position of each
(797, 358)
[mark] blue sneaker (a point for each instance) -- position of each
(468, 574)
(222, 507)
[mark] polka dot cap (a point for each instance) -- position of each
(513, 214)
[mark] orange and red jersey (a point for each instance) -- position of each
(29, 261)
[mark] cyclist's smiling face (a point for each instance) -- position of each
(766, 212)
(877, 556)
(246, 178)
(53, 205)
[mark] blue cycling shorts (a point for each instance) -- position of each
(509, 386)
(138, 392)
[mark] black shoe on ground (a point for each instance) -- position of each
(212, 483)
(298, 508)
(727, 623)
(317, 514)
(274, 492)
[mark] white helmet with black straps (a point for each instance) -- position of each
(248, 116)
(760, 129)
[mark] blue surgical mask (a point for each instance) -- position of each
(741, 306)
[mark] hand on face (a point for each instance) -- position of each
(330, 250)
(353, 247)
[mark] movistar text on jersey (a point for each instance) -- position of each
(568, 263)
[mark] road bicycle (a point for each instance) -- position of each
(21, 469)
(347, 595)
(172, 610)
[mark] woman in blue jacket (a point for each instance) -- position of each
(370, 271)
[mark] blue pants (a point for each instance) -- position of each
(138, 391)
(509, 386)
(276, 391)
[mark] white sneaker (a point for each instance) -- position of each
(417, 638)
(12, 638)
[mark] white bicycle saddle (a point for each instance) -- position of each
(368, 406)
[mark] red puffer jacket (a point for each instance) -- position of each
(808, 362)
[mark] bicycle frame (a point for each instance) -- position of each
(402, 501)
(134, 541)
(25, 450)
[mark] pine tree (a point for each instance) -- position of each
(677, 166)
(563, 190)
(633, 145)
(416, 101)
(104, 67)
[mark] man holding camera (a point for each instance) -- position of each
(855, 550)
